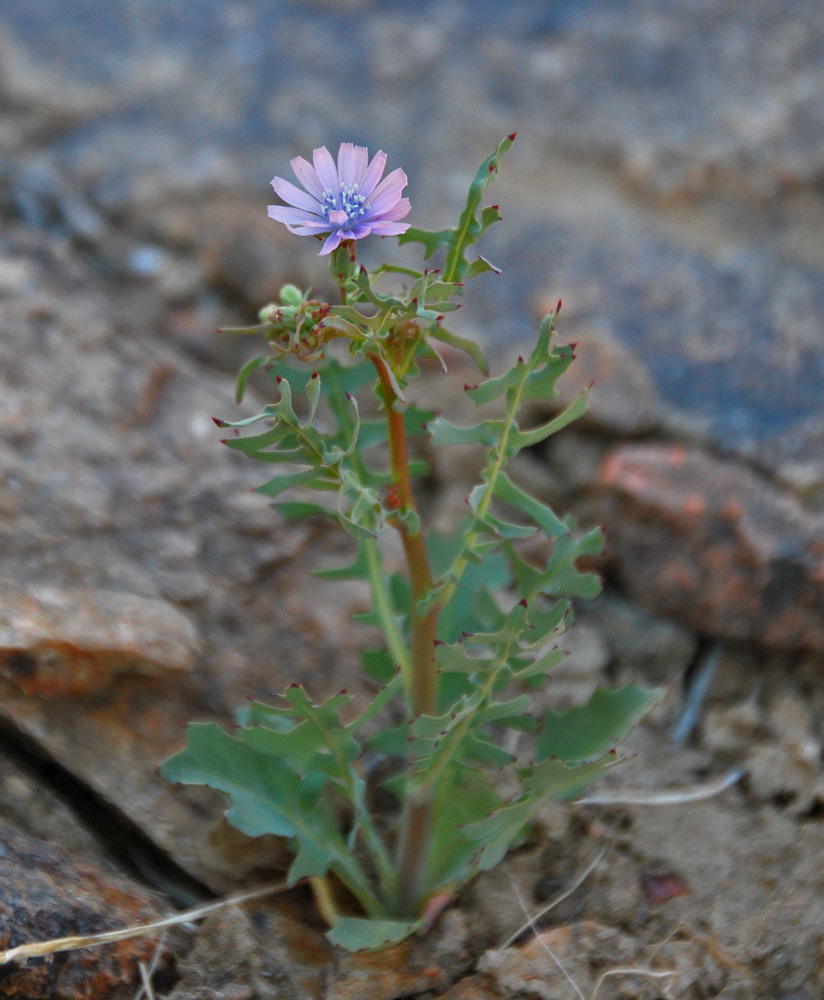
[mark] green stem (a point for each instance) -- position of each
(499, 460)
(383, 607)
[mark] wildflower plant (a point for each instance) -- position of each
(471, 624)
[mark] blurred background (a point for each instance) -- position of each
(667, 183)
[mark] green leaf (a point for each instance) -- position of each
(294, 510)
(487, 432)
(465, 795)
(465, 344)
(267, 797)
(561, 576)
(357, 934)
(318, 742)
(252, 365)
(586, 732)
(306, 477)
(545, 518)
(498, 833)
(392, 741)
(493, 388)
(526, 439)
(259, 787)
(470, 227)
(378, 663)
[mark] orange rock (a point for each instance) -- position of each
(49, 894)
(712, 543)
(56, 642)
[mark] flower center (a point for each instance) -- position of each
(344, 207)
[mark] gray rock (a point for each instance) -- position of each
(638, 642)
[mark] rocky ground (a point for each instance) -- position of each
(666, 183)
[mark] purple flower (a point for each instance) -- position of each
(344, 201)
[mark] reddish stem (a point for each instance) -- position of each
(417, 818)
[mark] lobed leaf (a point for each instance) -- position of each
(586, 732)
(470, 226)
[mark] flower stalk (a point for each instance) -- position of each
(416, 822)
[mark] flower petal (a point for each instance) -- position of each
(308, 230)
(338, 219)
(294, 196)
(373, 174)
(332, 242)
(352, 161)
(327, 172)
(389, 228)
(307, 175)
(296, 216)
(387, 193)
(397, 211)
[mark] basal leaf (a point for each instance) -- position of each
(357, 934)
(263, 791)
(465, 795)
(586, 732)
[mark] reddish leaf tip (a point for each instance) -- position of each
(315, 375)
(511, 136)
(558, 307)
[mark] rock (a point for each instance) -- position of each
(731, 729)
(788, 769)
(574, 679)
(541, 966)
(34, 807)
(56, 642)
(120, 508)
(230, 961)
(48, 894)
(638, 642)
(689, 342)
(626, 400)
(775, 774)
(715, 546)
